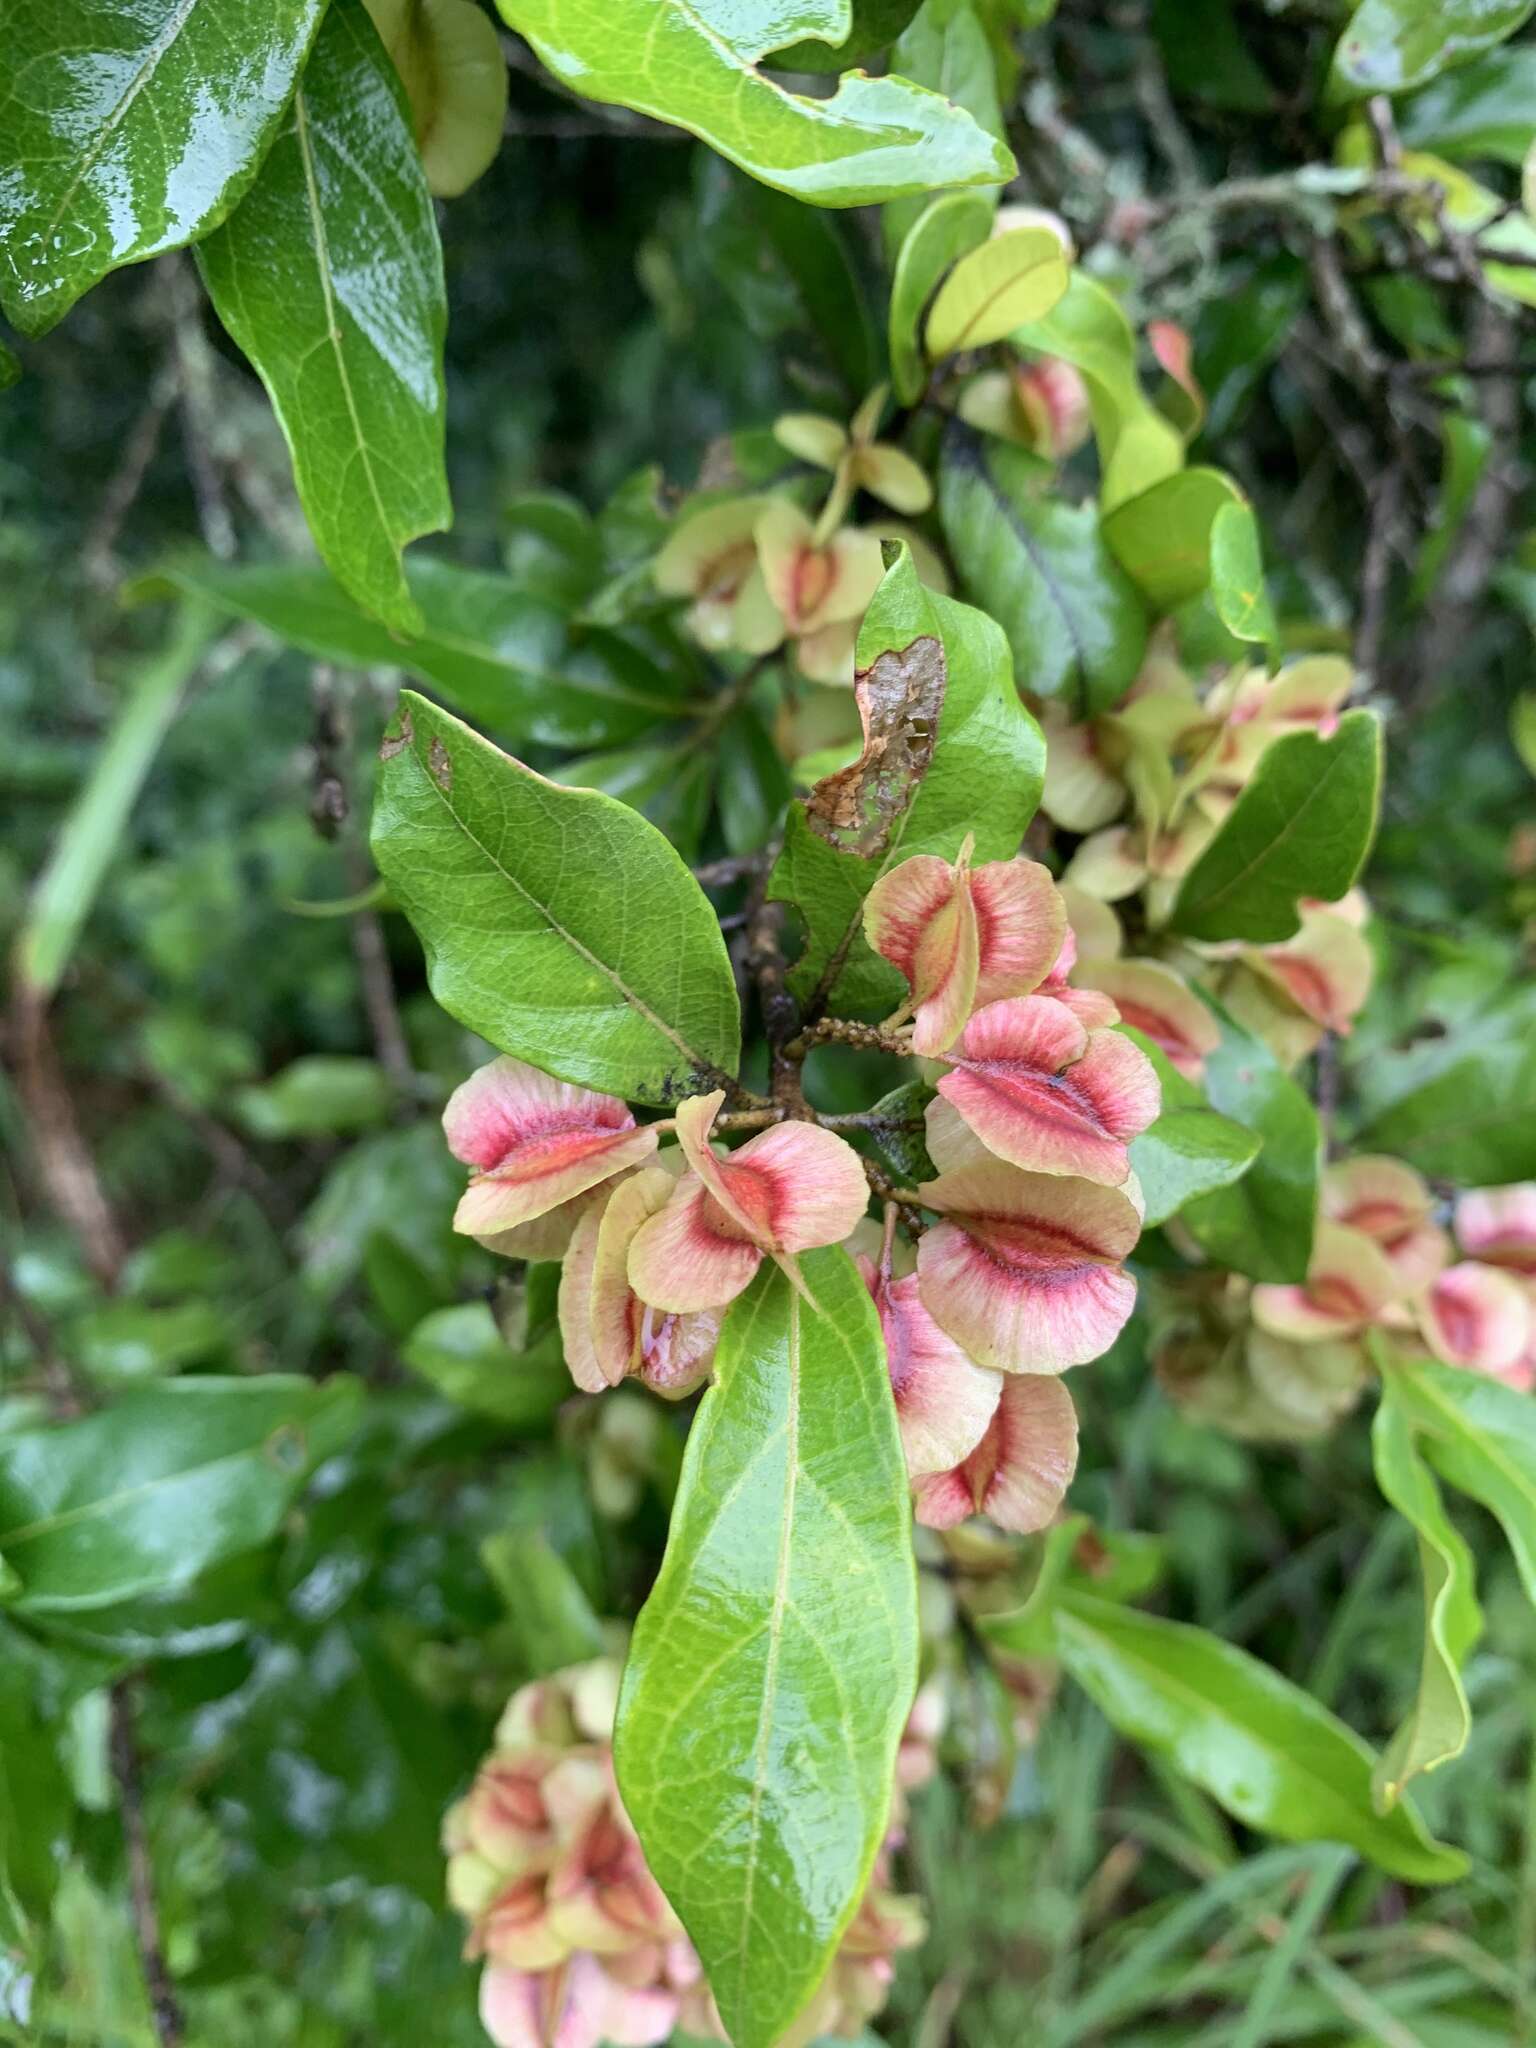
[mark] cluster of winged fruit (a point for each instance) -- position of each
(991, 1279)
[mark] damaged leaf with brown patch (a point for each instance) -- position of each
(900, 696)
(948, 749)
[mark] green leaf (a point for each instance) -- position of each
(1137, 446)
(1486, 109)
(321, 1093)
(1040, 567)
(1238, 596)
(1263, 1224)
(1462, 1107)
(497, 652)
(172, 1478)
(876, 25)
(91, 835)
(1008, 279)
(1439, 1721)
(330, 278)
(551, 1615)
(462, 1353)
(774, 1663)
(673, 786)
(1302, 827)
(946, 48)
(10, 367)
(1480, 1435)
(696, 66)
(125, 131)
(955, 223)
(1390, 45)
(1191, 1149)
(608, 970)
(1263, 1748)
(1162, 537)
(123, 1341)
(938, 664)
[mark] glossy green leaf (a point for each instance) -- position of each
(1263, 1748)
(1238, 595)
(449, 58)
(1137, 446)
(1486, 109)
(461, 1352)
(125, 1341)
(1008, 279)
(947, 666)
(946, 48)
(1390, 45)
(774, 1663)
(1302, 827)
(1191, 1149)
(172, 1478)
(1480, 1436)
(1162, 538)
(955, 223)
(696, 66)
(608, 970)
(875, 26)
(330, 278)
(1262, 1225)
(497, 652)
(125, 131)
(1439, 1720)
(1039, 565)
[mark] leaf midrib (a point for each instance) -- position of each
(775, 1643)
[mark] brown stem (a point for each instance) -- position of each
(846, 1031)
(64, 1163)
(170, 2026)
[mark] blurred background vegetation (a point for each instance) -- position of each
(259, 1081)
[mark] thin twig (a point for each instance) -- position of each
(170, 2027)
(195, 368)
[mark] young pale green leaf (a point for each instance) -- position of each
(1137, 446)
(1481, 1436)
(1263, 1748)
(1075, 621)
(461, 1352)
(928, 665)
(1162, 538)
(1238, 595)
(1302, 827)
(1390, 45)
(500, 654)
(1262, 1225)
(1009, 279)
(774, 1663)
(449, 59)
(1463, 1107)
(1191, 1149)
(955, 223)
(606, 969)
(170, 1479)
(946, 47)
(1439, 1720)
(330, 278)
(125, 131)
(697, 68)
